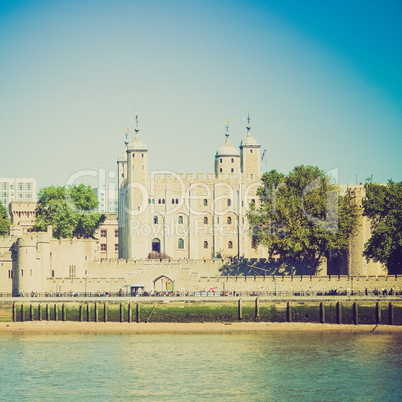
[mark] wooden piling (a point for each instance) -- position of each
(121, 313)
(289, 312)
(240, 309)
(138, 313)
(22, 313)
(391, 314)
(105, 307)
(355, 314)
(31, 312)
(96, 312)
(56, 313)
(257, 308)
(88, 312)
(338, 312)
(129, 313)
(39, 313)
(378, 313)
(322, 313)
(14, 313)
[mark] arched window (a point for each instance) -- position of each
(142, 155)
(205, 244)
(232, 170)
(180, 244)
(177, 200)
(251, 151)
(155, 220)
(205, 220)
(253, 201)
(180, 220)
(251, 177)
(229, 220)
(230, 244)
(229, 202)
(232, 160)
(205, 202)
(220, 160)
(220, 170)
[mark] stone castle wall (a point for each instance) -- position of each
(35, 262)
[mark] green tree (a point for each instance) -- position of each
(383, 205)
(302, 216)
(4, 220)
(71, 211)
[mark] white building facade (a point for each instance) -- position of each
(20, 189)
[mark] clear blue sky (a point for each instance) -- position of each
(322, 81)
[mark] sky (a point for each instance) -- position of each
(322, 81)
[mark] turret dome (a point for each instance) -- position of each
(137, 144)
(227, 149)
(122, 157)
(249, 140)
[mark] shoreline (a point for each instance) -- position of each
(68, 327)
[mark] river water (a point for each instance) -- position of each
(275, 366)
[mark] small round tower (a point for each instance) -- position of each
(227, 158)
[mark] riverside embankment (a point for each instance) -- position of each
(324, 310)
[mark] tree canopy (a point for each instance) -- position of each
(71, 211)
(4, 220)
(302, 216)
(383, 204)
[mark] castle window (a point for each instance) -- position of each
(177, 200)
(220, 170)
(180, 221)
(142, 155)
(232, 170)
(22, 272)
(253, 201)
(155, 220)
(163, 200)
(116, 233)
(149, 200)
(180, 244)
(133, 155)
(103, 233)
(220, 160)
(103, 247)
(232, 160)
(205, 244)
(116, 247)
(230, 244)
(251, 151)
(172, 200)
(252, 177)
(229, 202)
(159, 201)
(229, 220)
(205, 202)
(205, 220)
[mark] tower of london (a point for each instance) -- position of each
(188, 215)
